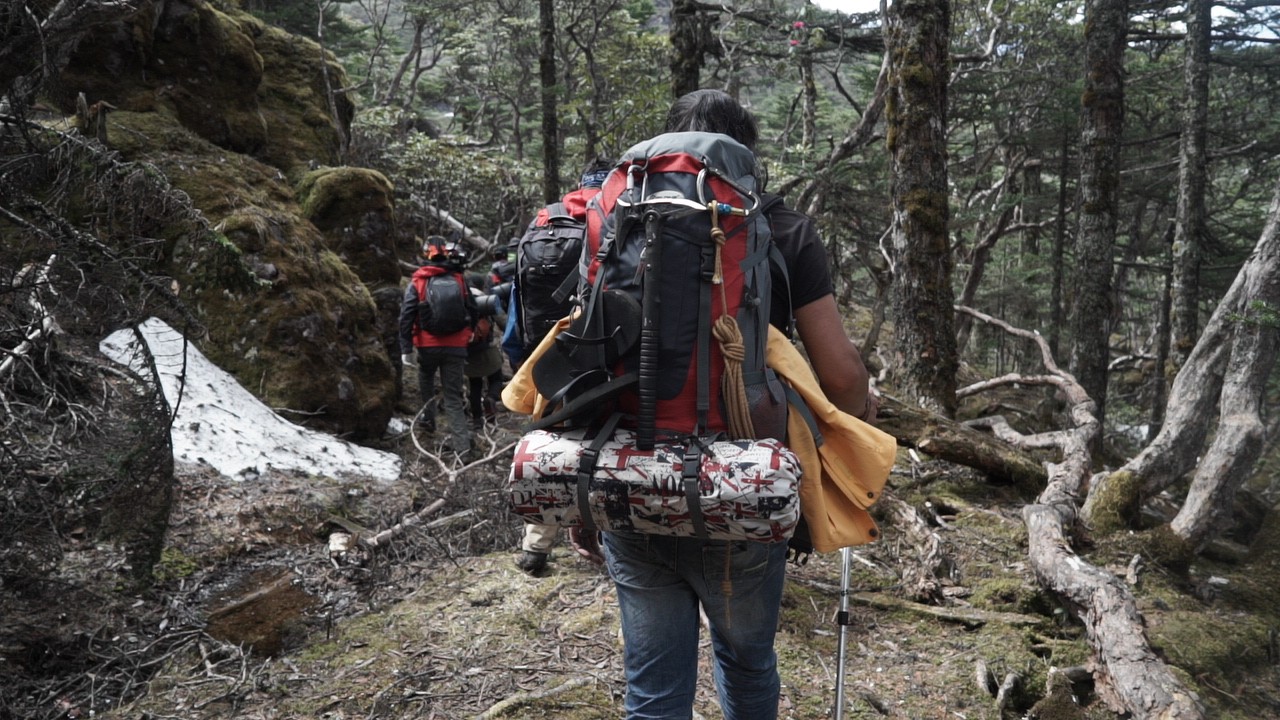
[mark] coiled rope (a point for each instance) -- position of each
(726, 331)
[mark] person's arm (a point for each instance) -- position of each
(408, 317)
(835, 359)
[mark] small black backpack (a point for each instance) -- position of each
(547, 270)
(443, 310)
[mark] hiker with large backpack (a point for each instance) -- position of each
(546, 264)
(546, 273)
(437, 317)
(696, 404)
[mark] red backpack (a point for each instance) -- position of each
(673, 300)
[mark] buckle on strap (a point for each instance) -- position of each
(586, 469)
(691, 470)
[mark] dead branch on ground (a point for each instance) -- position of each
(1132, 676)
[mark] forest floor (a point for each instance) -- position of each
(255, 614)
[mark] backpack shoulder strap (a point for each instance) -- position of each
(768, 201)
(558, 213)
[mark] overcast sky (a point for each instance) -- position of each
(849, 6)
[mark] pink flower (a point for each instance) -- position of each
(795, 43)
(798, 25)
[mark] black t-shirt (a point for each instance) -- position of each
(808, 271)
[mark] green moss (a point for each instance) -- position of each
(1009, 594)
(928, 209)
(1114, 503)
(173, 565)
(332, 193)
(1218, 647)
(917, 74)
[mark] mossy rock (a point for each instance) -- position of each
(226, 76)
(354, 209)
(285, 315)
(306, 123)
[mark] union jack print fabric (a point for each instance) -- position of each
(746, 489)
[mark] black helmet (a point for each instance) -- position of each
(435, 249)
(456, 253)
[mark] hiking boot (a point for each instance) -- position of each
(532, 562)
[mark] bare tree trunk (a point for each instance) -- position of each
(809, 106)
(688, 28)
(1240, 436)
(1160, 393)
(1191, 183)
(550, 121)
(412, 58)
(916, 109)
(1106, 22)
(959, 443)
(1116, 496)
(1059, 244)
(977, 268)
(1134, 678)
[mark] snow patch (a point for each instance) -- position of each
(222, 425)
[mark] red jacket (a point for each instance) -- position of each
(412, 336)
(575, 203)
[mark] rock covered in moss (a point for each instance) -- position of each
(284, 313)
(354, 209)
(235, 81)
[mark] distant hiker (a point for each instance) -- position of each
(437, 317)
(546, 265)
(661, 581)
(484, 359)
(546, 268)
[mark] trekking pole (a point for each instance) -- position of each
(842, 619)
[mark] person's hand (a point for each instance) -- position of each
(586, 544)
(408, 359)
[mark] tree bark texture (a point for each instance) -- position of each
(1133, 678)
(1103, 119)
(916, 110)
(1059, 243)
(923, 573)
(1238, 441)
(1190, 227)
(1239, 438)
(951, 441)
(809, 108)
(550, 123)
(687, 30)
(1195, 390)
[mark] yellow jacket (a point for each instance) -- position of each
(842, 477)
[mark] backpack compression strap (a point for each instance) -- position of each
(587, 469)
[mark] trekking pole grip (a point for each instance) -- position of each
(648, 380)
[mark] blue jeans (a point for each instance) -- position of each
(660, 582)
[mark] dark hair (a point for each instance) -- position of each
(715, 111)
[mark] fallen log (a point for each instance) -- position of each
(958, 443)
(1131, 677)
